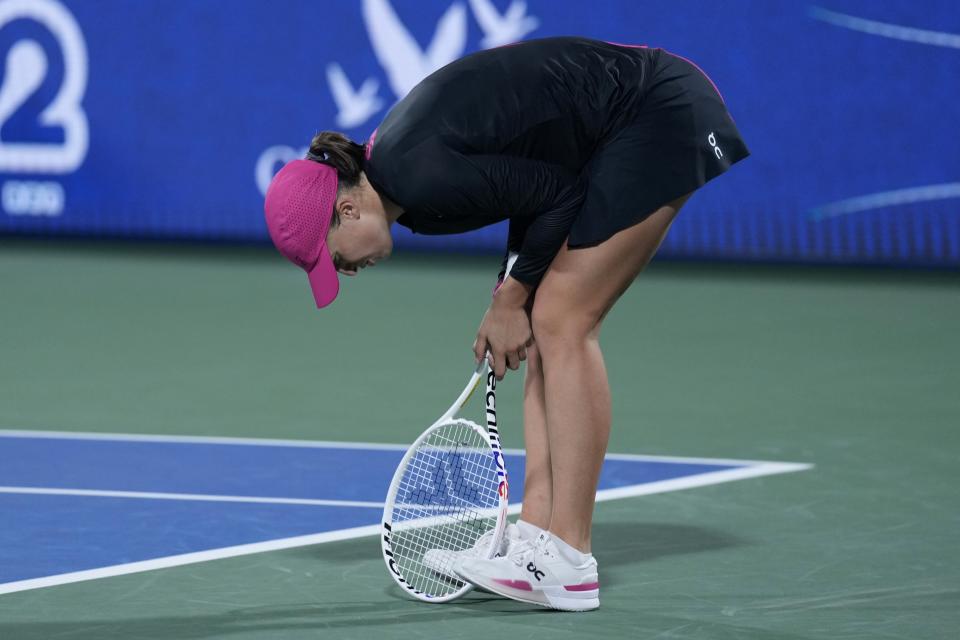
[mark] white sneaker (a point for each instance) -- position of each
(537, 573)
(445, 561)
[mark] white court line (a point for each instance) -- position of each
(702, 480)
(138, 437)
(188, 558)
(754, 470)
(318, 444)
(200, 497)
(886, 29)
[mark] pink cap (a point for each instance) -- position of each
(298, 208)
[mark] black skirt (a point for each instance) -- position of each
(681, 137)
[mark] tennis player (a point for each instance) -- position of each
(589, 149)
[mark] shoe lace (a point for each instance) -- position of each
(544, 549)
(483, 541)
(519, 551)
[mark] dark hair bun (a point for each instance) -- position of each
(341, 153)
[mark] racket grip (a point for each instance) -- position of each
(482, 365)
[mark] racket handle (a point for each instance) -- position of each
(481, 367)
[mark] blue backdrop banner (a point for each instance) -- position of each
(164, 118)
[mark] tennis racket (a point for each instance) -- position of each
(448, 496)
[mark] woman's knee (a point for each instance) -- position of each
(554, 325)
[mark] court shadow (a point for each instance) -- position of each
(618, 543)
(615, 544)
(468, 617)
(622, 543)
(300, 620)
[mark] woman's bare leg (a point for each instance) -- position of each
(538, 481)
(575, 295)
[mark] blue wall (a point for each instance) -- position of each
(165, 118)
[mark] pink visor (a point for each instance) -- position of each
(298, 208)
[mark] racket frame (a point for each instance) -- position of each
(492, 437)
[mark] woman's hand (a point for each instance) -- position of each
(505, 329)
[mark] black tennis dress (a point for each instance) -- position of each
(568, 138)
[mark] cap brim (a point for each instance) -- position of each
(323, 279)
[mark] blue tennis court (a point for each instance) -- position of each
(84, 504)
(191, 450)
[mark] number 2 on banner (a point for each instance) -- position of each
(25, 68)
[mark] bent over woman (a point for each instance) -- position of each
(589, 149)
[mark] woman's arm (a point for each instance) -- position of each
(540, 198)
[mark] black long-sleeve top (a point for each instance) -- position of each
(506, 133)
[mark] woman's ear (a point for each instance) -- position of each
(347, 208)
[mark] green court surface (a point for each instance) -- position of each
(854, 371)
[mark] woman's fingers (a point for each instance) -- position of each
(497, 364)
(505, 334)
(497, 359)
(500, 360)
(479, 348)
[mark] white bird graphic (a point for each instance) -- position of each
(404, 62)
(353, 107)
(503, 29)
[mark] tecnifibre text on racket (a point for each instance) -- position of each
(448, 496)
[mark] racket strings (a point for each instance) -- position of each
(446, 500)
